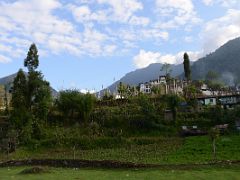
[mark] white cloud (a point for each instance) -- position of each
(145, 58)
(154, 33)
(207, 2)
(4, 59)
(175, 13)
(134, 20)
(218, 31)
(224, 3)
(24, 22)
(188, 39)
(84, 14)
(112, 11)
(184, 5)
(122, 10)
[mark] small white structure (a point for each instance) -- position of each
(212, 101)
(205, 90)
(172, 86)
(145, 88)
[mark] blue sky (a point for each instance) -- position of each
(87, 44)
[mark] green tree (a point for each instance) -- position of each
(166, 68)
(122, 90)
(212, 76)
(74, 104)
(107, 96)
(6, 99)
(147, 109)
(20, 116)
(33, 93)
(38, 90)
(19, 90)
(67, 103)
(173, 103)
(190, 93)
(214, 134)
(31, 61)
(87, 106)
(186, 64)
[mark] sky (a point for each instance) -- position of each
(89, 44)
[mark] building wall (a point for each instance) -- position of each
(210, 101)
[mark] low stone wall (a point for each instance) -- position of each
(73, 163)
(68, 163)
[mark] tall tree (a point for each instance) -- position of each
(186, 64)
(214, 134)
(173, 103)
(122, 90)
(31, 61)
(32, 93)
(166, 68)
(72, 102)
(212, 76)
(20, 116)
(19, 90)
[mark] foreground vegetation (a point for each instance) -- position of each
(231, 172)
(150, 150)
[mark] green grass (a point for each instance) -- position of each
(101, 174)
(145, 150)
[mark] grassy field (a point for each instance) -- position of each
(88, 174)
(145, 150)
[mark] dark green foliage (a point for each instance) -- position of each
(166, 68)
(212, 76)
(31, 61)
(107, 96)
(19, 91)
(173, 102)
(122, 90)
(190, 93)
(31, 99)
(74, 104)
(147, 107)
(186, 64)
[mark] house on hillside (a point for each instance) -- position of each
(205, 90)
(226, 101)
(164, 86)
(207, 100)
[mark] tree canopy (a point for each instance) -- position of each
(186, 64)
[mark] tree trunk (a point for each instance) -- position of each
(214, 149)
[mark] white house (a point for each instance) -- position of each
(208, 100)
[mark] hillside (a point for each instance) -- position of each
(225, 61)
(7, 80)
(146, 74)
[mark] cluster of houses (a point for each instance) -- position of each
(172, 86)
(206, 96)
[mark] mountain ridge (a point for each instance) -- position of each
(215, 61)
(7, 80)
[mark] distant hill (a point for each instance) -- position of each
(8, 80)
(225, 61)
(145, 74)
